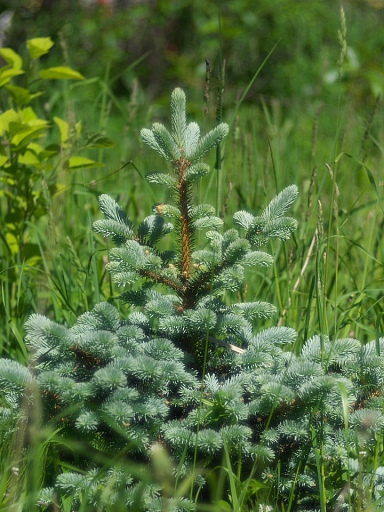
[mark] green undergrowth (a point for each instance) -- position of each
(339, 212)
(290, 421)
(293, 442)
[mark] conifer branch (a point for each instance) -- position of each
(223, 343)
(162, 280)
(88, 360)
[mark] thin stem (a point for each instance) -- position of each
(181, 166)
(161, 280)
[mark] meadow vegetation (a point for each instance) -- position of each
(68, 138)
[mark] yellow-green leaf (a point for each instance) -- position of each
(78, 127)
(59, 73)
(20, 95)
(39, 46)
(6, 75)
(76, 162)
(7, 117)
(29, 158)
(60, 188)
(36, 148)
(12, 242)
(33, 261)
(64, 130)
(28, 114)
(3, 160)
(29, 132)
(11, 57)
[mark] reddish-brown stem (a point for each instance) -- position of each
(181, 166)
(161, 279)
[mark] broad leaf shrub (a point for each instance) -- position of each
(188, 372)
(35, 148)
(27, 162)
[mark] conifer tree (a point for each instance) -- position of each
(187, 370)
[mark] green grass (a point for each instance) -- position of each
(328, 279)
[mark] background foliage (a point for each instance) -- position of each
(316, 97)
(312, 117)
(165, 43)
